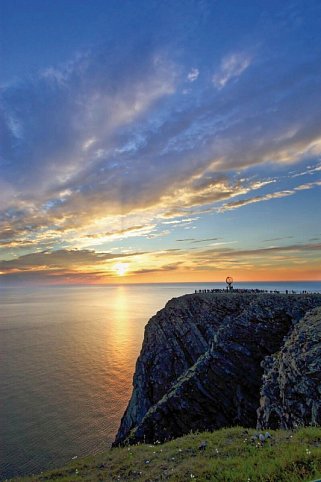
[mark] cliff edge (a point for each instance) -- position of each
(212, 360)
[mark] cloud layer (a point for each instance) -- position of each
(154, 133)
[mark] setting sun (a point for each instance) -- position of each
(121, 268)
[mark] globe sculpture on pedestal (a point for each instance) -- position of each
(229, 282)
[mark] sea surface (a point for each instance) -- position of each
(67, 358)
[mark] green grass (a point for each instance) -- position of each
(230, 456)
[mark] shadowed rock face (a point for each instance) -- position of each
(200, 364)
(291, 390)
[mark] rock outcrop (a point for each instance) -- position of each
(291, 390)
(201, 368)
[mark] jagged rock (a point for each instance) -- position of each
(291, 391)
(200, 364)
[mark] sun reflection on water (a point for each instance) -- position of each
(120, 340)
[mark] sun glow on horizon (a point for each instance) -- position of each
(121, 268)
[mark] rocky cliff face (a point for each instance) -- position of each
(291, 389)
(201, 363)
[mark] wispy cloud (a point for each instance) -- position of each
(61, 265)
(267, 197)
(310, 170)
(278, 239)
(168, 267)
(231, 66)
(244, 202)
(131, 231)
(193, 75)
(205, 240)
(59, 259)
(286, 258)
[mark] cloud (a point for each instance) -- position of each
(310, 170)
(63, 259)
(193, 75)
(307, 186)
(232, 254)
(180, 221)
(168, 267)
(87, 110)
(205, 240)
(287, 257)
(244, 202)
(231, 66)
(204, 189)
(109, 136)
(279, 239)
(185, 239)
(267, 197)
(131, 231)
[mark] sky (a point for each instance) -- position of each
(159, 141)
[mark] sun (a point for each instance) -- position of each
(121, 268)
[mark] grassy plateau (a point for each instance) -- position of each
(229, 455)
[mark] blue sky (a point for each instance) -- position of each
(159, 141)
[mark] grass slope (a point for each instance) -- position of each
(230, 456)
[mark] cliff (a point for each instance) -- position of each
(291, 388)
(210, 360)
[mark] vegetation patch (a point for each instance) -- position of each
(227, 455)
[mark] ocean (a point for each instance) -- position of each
(67, 358)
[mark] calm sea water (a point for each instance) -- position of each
(67, 357)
